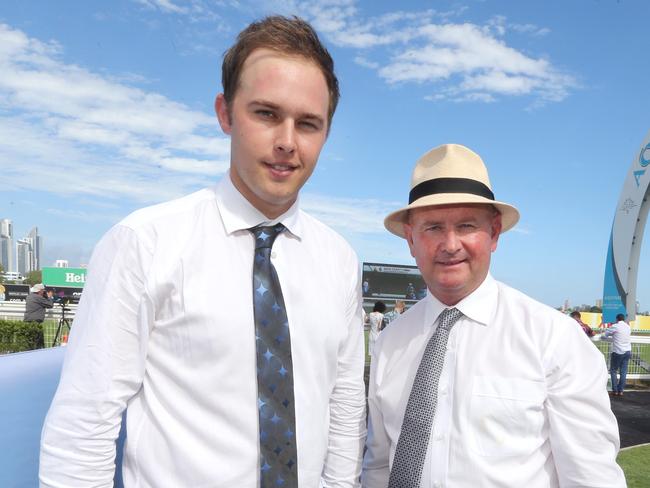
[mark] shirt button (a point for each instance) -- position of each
(437, 484)
(438, 437)
(273, 254)
(443, 390)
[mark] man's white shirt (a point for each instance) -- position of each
(165, 326)
(521, 399)
(620, 335)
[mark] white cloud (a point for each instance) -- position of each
(531, 29)
(164, 5)
(349, 215)
(522, 230)
(81, 215)
(361, 61)
(462, 61)
(68, 130)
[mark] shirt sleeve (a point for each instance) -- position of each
(103, 367)
(347, 430)
(608, 335)
(44, 302)
(376, 469)
(583, 430)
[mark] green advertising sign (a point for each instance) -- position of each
(70, 277)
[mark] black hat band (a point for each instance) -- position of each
(450, 185)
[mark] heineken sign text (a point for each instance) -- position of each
(70, 277)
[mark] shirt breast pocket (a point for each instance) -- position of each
(506, 415)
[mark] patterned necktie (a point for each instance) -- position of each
(278, 453)
(421, 408)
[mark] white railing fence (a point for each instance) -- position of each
(639, 366)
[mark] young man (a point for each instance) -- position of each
(478, 384)
(261, 393)
(619, 335)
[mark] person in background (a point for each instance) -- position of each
(36, 302)
(366, 288)
(375, 321)
(619, 335)
(410, 292)
(575, 315)
(396, 312)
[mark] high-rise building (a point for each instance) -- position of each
(37, 248)
(24, 256)
(7, 245)
(61, 263)
(28, 252)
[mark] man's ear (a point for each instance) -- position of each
(223, 114)
(496, 231)
(408, 233)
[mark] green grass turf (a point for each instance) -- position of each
(49, 330)
(635, 464)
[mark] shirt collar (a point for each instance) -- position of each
(239, 214)
(478, 306)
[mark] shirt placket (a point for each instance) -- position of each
(438, 456)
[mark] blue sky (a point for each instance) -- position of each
(106, 107)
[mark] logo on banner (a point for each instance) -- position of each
(628, 205)
(642, 159)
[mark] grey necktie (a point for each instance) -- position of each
(421, 408)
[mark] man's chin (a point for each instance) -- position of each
(450, 292)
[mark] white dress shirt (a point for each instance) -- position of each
(620, 335)
(165, 327)
(521, 399)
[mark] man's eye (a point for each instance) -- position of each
(308, 125)
(267, 114)
(467, 226)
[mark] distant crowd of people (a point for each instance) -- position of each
(378, 320)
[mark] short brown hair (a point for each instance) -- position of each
(286, 35)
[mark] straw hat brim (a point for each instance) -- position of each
(395, 221)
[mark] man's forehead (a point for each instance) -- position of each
(460, 210)
(267, 77)
(268, 56)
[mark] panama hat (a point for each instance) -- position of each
(447, 175)
(38, 287)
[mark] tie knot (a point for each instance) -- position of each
(265, 234)
(448, 318)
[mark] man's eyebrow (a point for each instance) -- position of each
(431, 222)
(469, 219)
(264, 103)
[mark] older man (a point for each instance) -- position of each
(36, 303)
(263, 393)
(478, 384)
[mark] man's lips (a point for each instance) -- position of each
(280, 168)
(450, 262)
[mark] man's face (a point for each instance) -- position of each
(452, 245)
(277, 122)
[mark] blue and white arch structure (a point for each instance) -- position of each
(621, 270)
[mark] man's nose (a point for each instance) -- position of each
(451, 242)
(285, 140)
